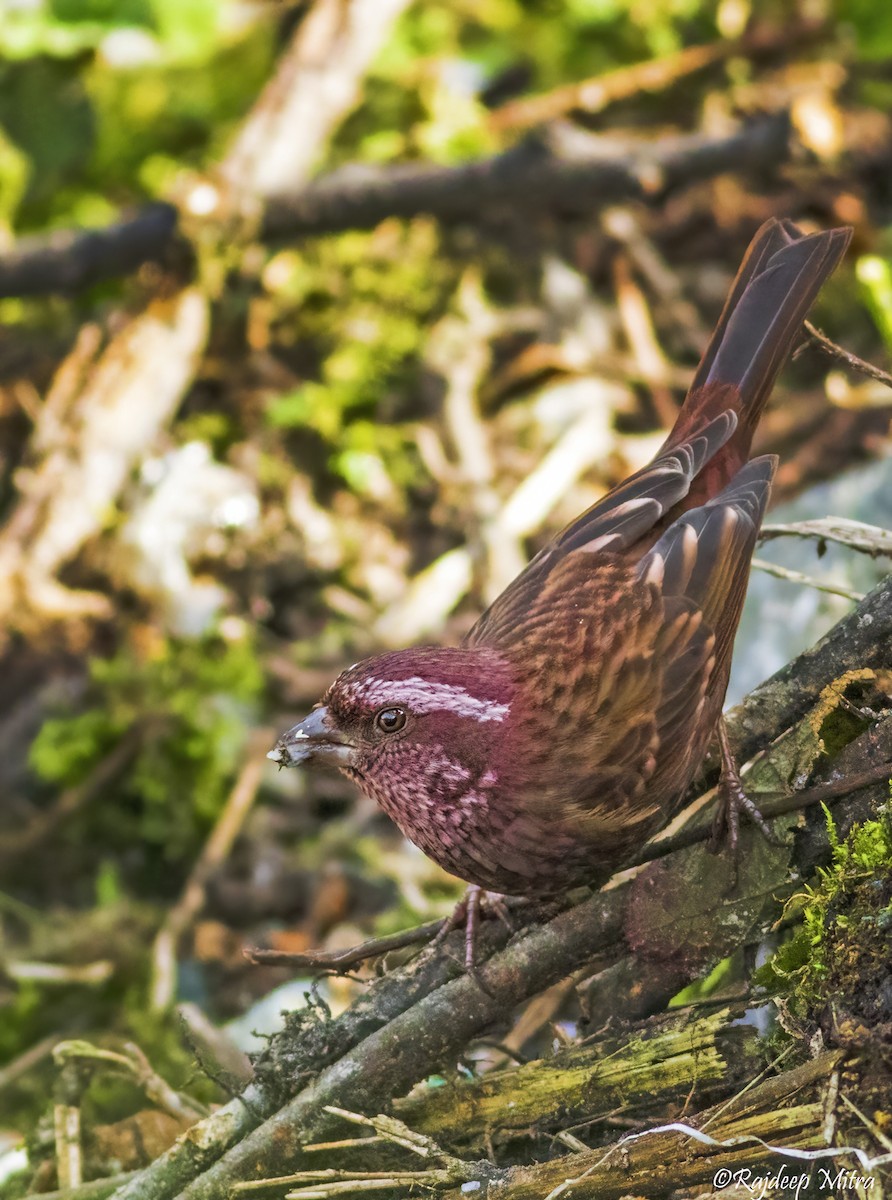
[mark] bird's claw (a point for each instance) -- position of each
(733, 801)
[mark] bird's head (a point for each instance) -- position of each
(429, 722)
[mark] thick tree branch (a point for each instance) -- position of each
(417, 1020)
(564, 169)
(71, 260)
(567, 170)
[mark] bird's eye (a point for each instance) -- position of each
(390, 720)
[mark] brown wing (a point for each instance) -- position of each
(628, 665)
(624, 623)
(625, 516)
(701, 565)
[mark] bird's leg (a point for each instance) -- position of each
(468, 912)
(732, 801)
(474, 902)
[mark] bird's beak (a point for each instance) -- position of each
(315, 737)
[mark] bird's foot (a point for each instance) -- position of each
(733, 801)
(472, 906)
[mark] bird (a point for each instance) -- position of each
(565, 729)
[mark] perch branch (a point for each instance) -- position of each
(419, 1016)
(342, 960)
(862, 638)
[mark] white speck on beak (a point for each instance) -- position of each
(275, 755)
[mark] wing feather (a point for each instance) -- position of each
(626, 515)
(628, 703)
(705, 554)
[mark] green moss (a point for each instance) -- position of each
(724, 973)
(843, 939)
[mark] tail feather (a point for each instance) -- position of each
(767, 241)
(775, 287)
(705, 554)
(692, 515)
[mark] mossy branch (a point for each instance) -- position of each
(420, 1017)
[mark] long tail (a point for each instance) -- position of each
(777, 283)
(710, 442)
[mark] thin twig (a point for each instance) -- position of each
(29, 1059)
(229, 1067)
(135, 1065)
(341, 960)
(768, 1069)
(94, 1189)
(333, 1182)
(881, 1137)
(217, 847)
(821, 794)
(656, 75)
(819, 585)
(91, 974)
(638, 327)
(847, 357)
(866, 539)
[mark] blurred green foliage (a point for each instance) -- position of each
(192, 702)
(108, 100)
(875, 276)
(364, 302)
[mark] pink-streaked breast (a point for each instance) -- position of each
(470, 827)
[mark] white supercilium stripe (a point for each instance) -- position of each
(422, 696)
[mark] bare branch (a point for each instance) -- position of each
(566, 169)
(342, 960)
(846, 357)
(217, 847)
(71, 260)
(316, 84)
(538, 174)
(657, 75)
